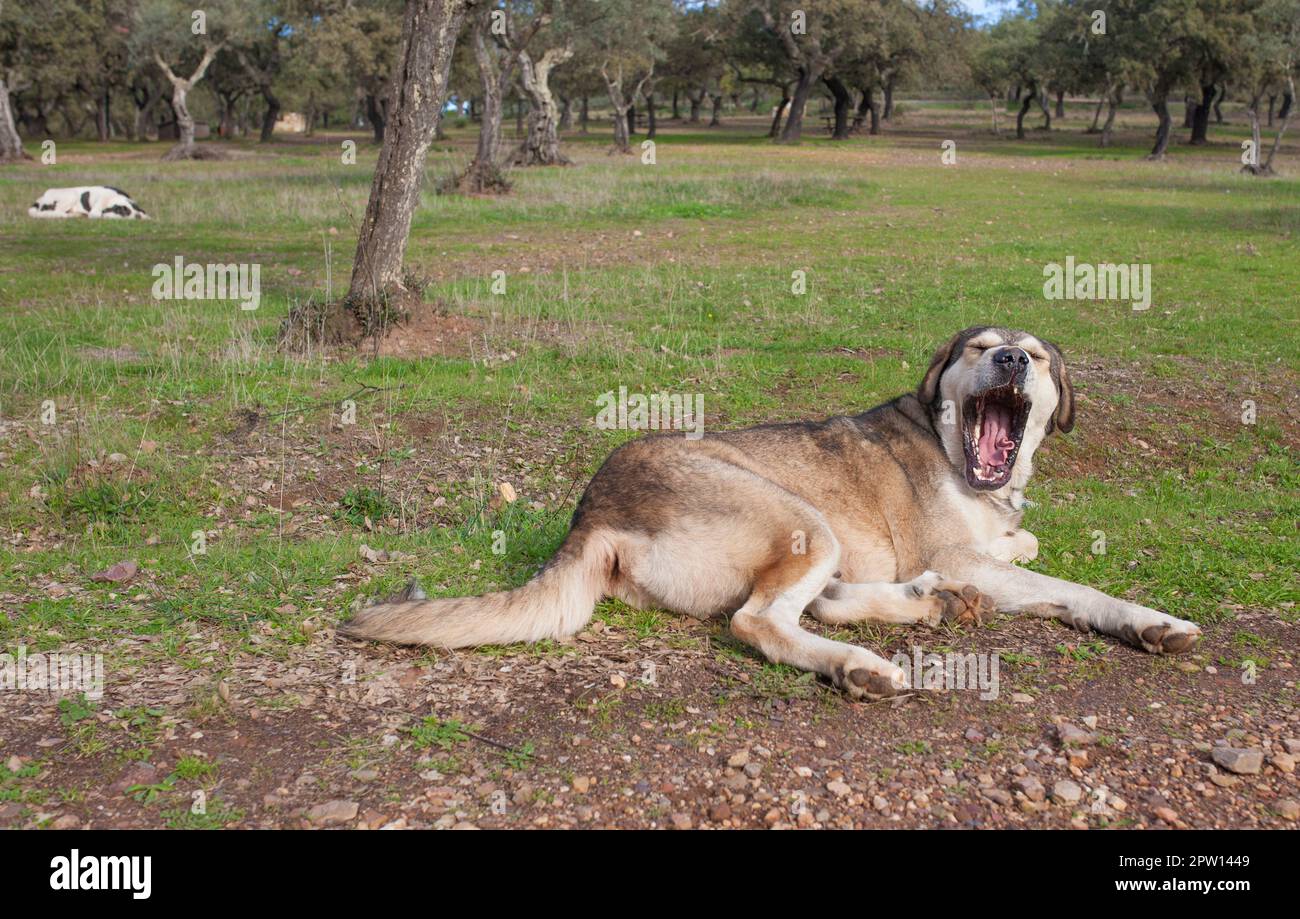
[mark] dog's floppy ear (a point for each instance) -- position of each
(928, 391)
(1063, 418)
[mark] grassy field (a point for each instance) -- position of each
(130, 425)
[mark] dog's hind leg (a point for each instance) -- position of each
(928, 598)
(769, 620)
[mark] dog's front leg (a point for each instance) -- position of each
(1015, 589)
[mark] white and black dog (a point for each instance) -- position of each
(86, 201)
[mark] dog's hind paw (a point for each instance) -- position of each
(1169, 637)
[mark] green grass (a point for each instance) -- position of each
(671, 277)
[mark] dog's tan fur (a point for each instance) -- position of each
(849, 519)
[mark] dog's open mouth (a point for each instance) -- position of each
(993, 425)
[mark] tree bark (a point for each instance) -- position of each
(843, 103)
(181, 86)
(430, 29)
(1201, 118)
(677, 114)
(483, 175)
(888, 113)
(585, 116)
(622, 104)
(272, 115)
(1096, 115)
(809, 74)
(1267, 167)
(1024, 110)
(11, 145)
(775, 131)
(1060, 103)
(541, 146)
(375, 115)
(1047, 112)
(1112, 107)
(651, 125)
(1161, 107)
(697, 101)
(715, 119)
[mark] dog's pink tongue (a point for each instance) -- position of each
(995, 442)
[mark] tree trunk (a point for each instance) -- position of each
(1047, 112)
(584, 115)
(697, 100)
(631, 117)
(874, 111)
(1189, 111)
(1218, 103)
(623, 111)
(1201, 119)
(1267, 167)
(1272, 104)
(430, 29)
(1096, 115)
(1161, 106)
(1287, 98)
(888, 113)
(181, 86)
(103, 119)
(375, 115)
(11, 145)
(483, 175)
(651, 127)
(1112, 107)
(775, 131)
(809, 74)
(1024, 110)
(541, 146)
(272, 114)
(566, 114)
(677, 114)
(860, 113)
(843, 102)
(715, 120)
(1060, 103)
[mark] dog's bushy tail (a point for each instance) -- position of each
(556, 603)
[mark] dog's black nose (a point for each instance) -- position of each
(1013, 359)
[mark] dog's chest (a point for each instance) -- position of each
(985, 521)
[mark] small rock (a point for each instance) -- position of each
(1292, 744)
(838, 788)
(1030, 787)
(1067, 792)
(333, 812)
(1288, 809)
(1072, 735)
(681, 821)
(738, 760)
(1239, 760)
(365, 775)
(1167, 814)
(720, 812)
(1284, 762)
(581, 784)
(1021, 698)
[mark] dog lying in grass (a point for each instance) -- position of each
(87, 201)
(907, 513)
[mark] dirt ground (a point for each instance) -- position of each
(683, 727)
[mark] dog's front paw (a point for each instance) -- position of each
(950, 601)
